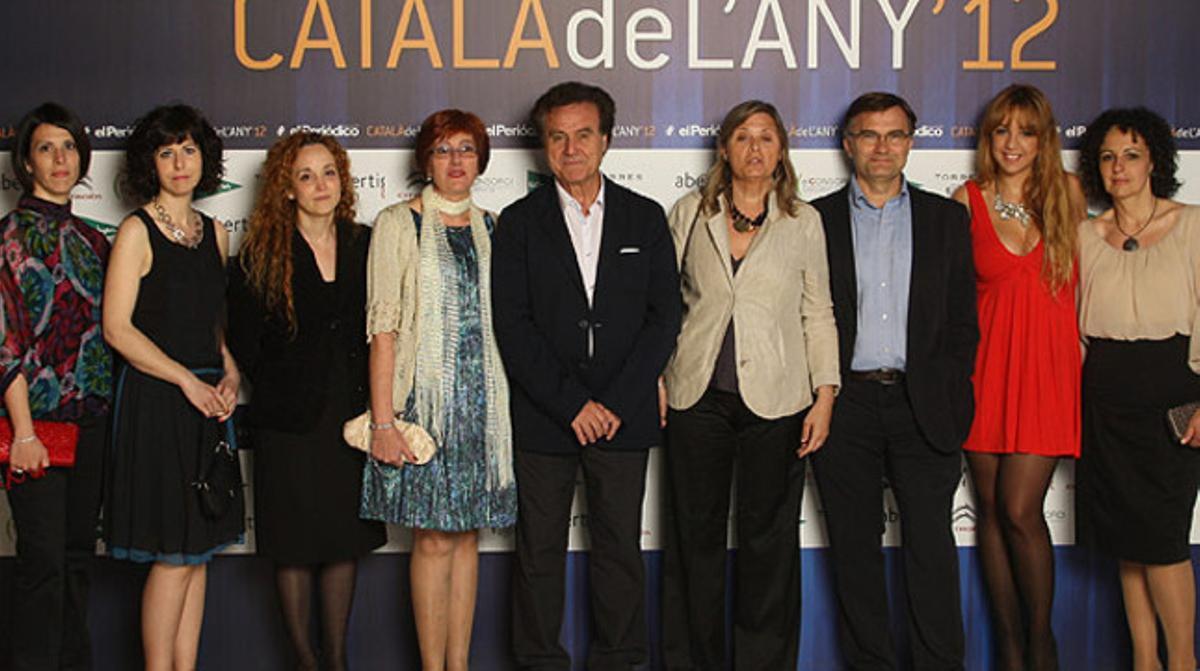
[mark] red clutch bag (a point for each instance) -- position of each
(58, 437)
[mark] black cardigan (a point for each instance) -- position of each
(289, 374)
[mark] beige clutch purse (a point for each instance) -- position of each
(357, 434)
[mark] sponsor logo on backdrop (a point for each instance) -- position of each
(85, 192)
(1186, 133)
(484, 184)
(926, 131)
(236, 224)
(517, 130)
(534, 179)
(392, 130)
(633, 130)
(822, 183)
(626, 178)
(225, 187)
(1056, 515)
(693, 130)
(963, 513)
(109, 230)
(371, 182)
(1076, 130)
(689, 181)
(826, 131)
(962, 131)
(111, 132)
(8, 182)
(341, 130)
(251, 131)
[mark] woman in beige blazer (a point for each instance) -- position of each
(751, 383)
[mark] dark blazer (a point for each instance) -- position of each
(542, 318)
(289, 374)
(943, 330)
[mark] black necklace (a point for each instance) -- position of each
(742, 223)
(1131, 243)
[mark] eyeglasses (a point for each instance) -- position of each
(463, 151)
(893, 138)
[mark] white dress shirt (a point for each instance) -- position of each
(585, 231)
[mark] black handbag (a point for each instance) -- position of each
(218, 477)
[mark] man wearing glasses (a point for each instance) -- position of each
(903, 286)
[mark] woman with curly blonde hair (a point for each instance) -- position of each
(1024, 214)
(296, 323)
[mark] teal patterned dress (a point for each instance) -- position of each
(451, 492)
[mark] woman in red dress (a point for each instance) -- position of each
(1024, 214)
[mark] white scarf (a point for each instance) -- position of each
(438, 312)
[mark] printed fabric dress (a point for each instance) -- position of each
(1027, 368)
(160, 441)
(451, 491)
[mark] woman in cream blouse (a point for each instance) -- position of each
(758, 344)
(1139, 291)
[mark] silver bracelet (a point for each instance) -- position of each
(380, 427)
(27, 439)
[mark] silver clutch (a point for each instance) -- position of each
(1179, 416)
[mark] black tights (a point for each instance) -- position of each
(336, 584)
(1018, 561)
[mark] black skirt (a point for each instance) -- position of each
(151, 511)
(1135, 484)
(307, 488)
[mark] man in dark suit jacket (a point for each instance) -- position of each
(586, 309)
(903, 286)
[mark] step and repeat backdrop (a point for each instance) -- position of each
(368, 71)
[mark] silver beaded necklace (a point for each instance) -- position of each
(177, 233)
(1009, 210)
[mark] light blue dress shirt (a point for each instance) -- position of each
(883, 264)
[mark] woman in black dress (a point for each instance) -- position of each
(297, 321)
(1139, 310)
(164, 303)
(54, 366)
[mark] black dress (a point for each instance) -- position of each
(1135, 485)
(151, 511)
(304, 386)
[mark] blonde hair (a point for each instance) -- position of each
(1046, 194)
(719, 179)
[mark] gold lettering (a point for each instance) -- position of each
(305, 40)
(364, 29)
(460, 58)
(426, 42)
(518, 42)
(239, 42)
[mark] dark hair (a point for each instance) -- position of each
(440, 126)
(878, 101)
(1139, 122)
(570, 93)
(164, 125)
(55, 115)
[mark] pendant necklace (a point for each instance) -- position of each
(744, 224)
(1008, 210)
(177, 233)
(1131, 243)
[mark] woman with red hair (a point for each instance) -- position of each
(297, 301)
(434, 362)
